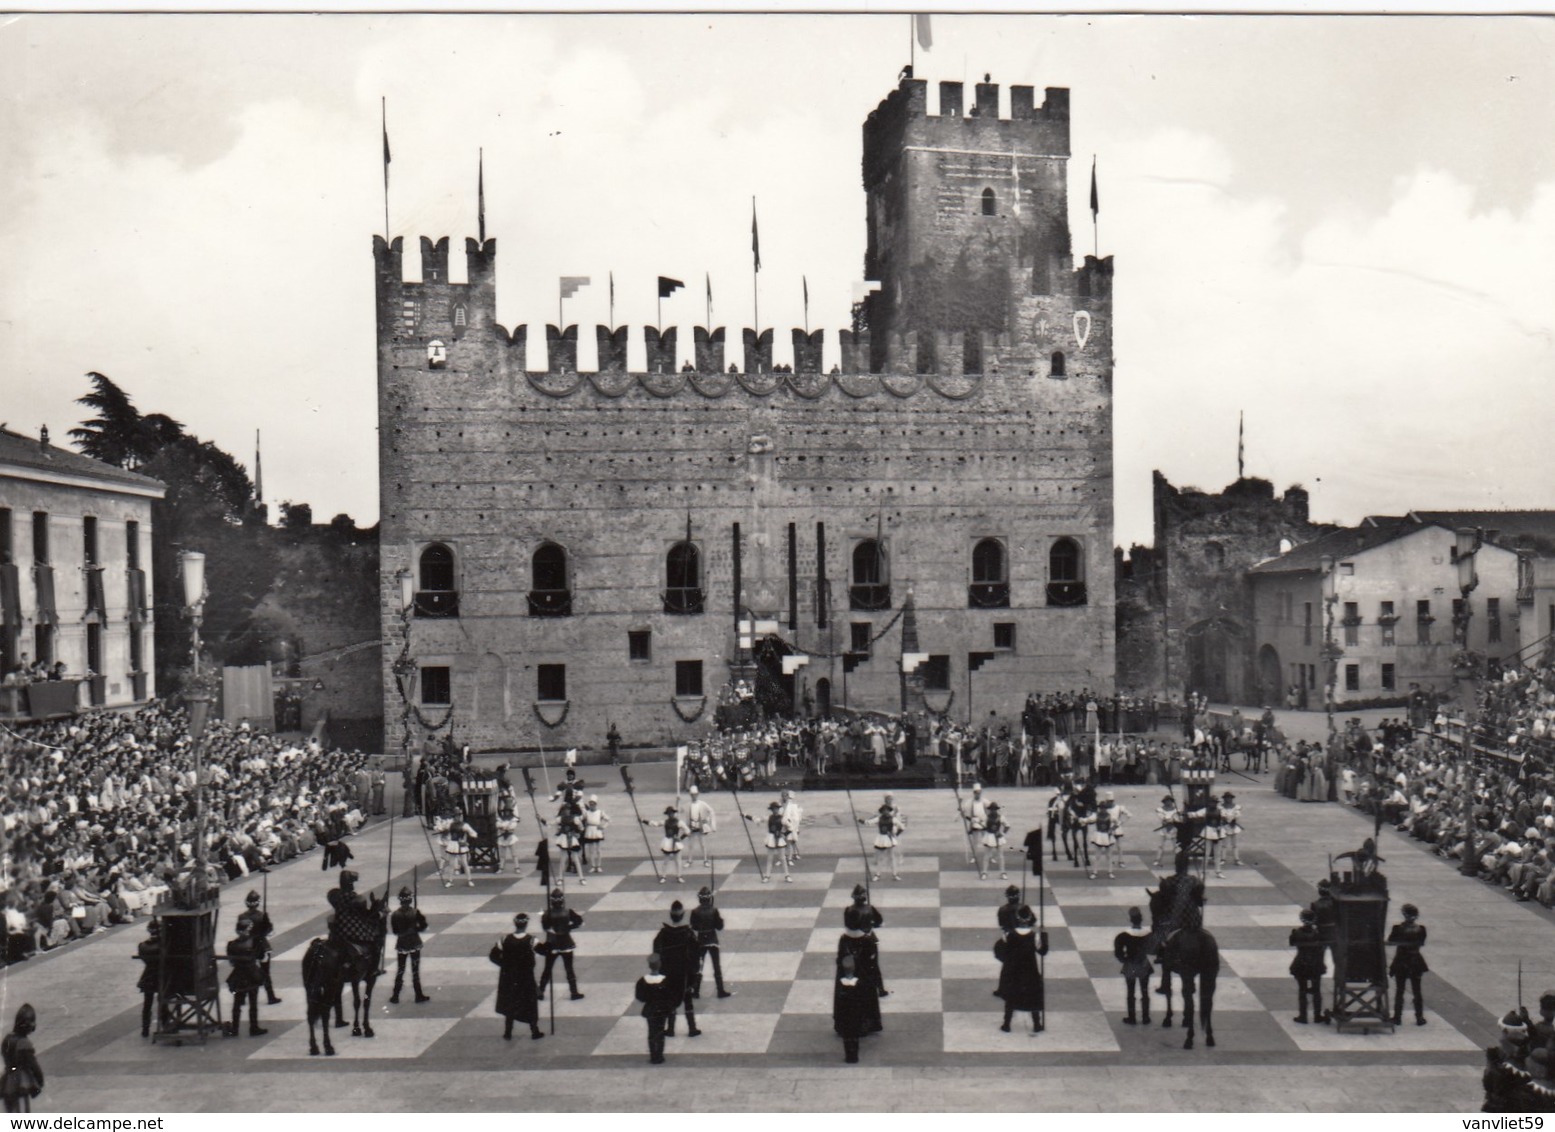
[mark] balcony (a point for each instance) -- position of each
(1066, 594)
(684, 600)
(437, 603)
(988, 595)
(869, 597)
(550, 603)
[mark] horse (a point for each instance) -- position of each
(357, 935)
(322, 981)
(1176, 906)
(1195, 956)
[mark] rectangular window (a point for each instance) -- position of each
(7, 545)
(639, 644)
(688, 678)
(936, 674)
(137, 650)
(1388, 638)
(1311, 676)
(1423, 621)
(1347, 569)
(859, 633)
(1493, 620)
(1288, 606)
(1306, 624)
(1004, 635)
(40, 538)
(132, 545)
(436, 687)
(43, 644)
(1352, 622)
(550, 682)
(89, 540)
(1352, 678)
(1389, 678)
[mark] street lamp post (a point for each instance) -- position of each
(192, 565)
(1330, 650)
(1465, 549)
(404, 675)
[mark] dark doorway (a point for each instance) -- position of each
(823, 697)
(1269, 676)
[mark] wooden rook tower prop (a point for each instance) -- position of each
(188, 990)
(1360, 952)
(1199, 782)
(480, 809)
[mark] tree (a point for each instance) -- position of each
(296, 516)
(119, 435)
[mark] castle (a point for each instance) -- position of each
(928, 526)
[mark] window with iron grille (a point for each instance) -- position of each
(639, 644)
(436, 685)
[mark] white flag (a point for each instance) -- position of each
(572, 756)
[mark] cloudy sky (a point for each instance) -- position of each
(1343, 226)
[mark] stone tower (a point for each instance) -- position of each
(928, 526)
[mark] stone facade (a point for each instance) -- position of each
(585, 546)
(81, 530)
(1186, 613)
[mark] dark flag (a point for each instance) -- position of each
(480, 199)
(668, 286)
(385, 107)
(543, 860)
(1095, 200)
(755, 235)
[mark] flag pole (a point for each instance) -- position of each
(383, 105)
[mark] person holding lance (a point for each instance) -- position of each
(407, 923)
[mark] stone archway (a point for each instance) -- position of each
(1271, 677)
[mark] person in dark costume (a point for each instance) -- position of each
(707, 922)
(1537, 1093)
(244, 980)
(1408, 964)
(1009, 911)
(658, 1000)
(150, 954)
(559, 922)
(407, 923)
(676, 946)
(1131, 948)
(850, 1008)
(23, 1078)
(1506, 1064)
(261, 931)
(514, 955)
(1020, 976)
(1326, 910)
(859, 941)
(1309, 967)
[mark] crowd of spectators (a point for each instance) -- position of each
(1482, 796)
(100, 814)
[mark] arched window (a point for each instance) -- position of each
(1056, 364)
(990, 202)
(990, 587)
(1065, 573)
(437, 355)
(437, 595)
(683, 579)
(1214, 556)
(871, 588)
(550, 594)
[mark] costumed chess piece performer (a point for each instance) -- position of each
(262, 930)
(701, 822)
(707, 922)
(890, 823)
(1408, 964)
(559, 922)
(1020, 974)
(1131, 948)
(657, 996)
(594, 822)
(407, 923)
(244, 980)
(676, 946)
(149, 952)
(851, 1005)
(675, 834)
(23, 1078)
(1309, 967)
(514, 955)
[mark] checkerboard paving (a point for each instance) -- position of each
(778, 948)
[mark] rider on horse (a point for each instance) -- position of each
(358, 925)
